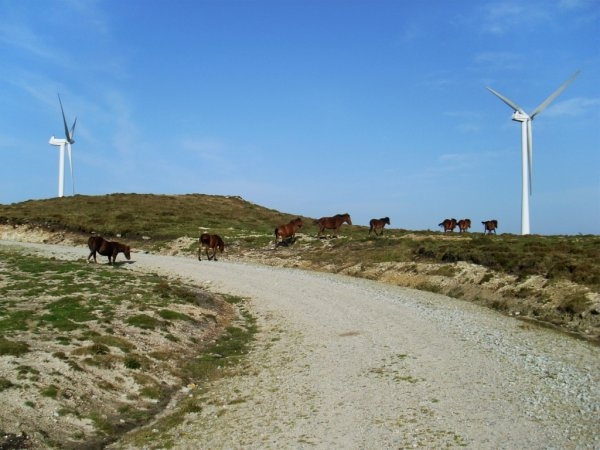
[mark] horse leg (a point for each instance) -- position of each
(215, 253)
(92, 253)
(200, 253)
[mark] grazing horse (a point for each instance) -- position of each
(489, 226)
(107, 248)
(287, 232)
(448, 224)
(210, 241)
(464, 225)
(333, 223)
(378, 224)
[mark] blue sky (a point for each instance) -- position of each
(375, 108)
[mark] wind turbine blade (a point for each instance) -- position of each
(529, 152)
(72, 132)
(64, 120)
(555, 94)
(71, 167)
(509, 102)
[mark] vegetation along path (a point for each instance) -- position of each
(348, 363)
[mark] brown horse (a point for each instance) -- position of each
(287, 232)
(210, 241)
(333, 223)
(448, 224)
(464, 225)
(490, 226)
(107, 248)
(378, 224)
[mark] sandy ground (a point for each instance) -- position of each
(347, 363)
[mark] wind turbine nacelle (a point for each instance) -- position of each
(54, 141)
(518, 116)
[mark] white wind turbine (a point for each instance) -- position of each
(527, 144)
(62, 143)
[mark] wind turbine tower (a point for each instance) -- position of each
(62, 143)
(520, 115)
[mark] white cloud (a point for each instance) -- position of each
(573, 107)
(22, 37)
(500, 60)
(463, 114)
(501, 18)
(576, 4)
(468, 120)
(213, 153)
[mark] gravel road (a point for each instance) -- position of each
(344, 363)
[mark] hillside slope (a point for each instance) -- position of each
(553, 280)
(350, 363)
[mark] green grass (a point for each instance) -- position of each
(91, 317)
(571, 258)
(5, 384)
(136, 215)
(164, 218)
(68, 313)
(168, 314)
(114, 341)
(213, 363)
(13, 348)
(145, 321)
(50, 391)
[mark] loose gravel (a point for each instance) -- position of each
(346, 363)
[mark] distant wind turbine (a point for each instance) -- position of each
(527, 144)
(62, 143)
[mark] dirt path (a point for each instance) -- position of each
(353, 364)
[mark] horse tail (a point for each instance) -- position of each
(276, 229)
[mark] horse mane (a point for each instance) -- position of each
(122, 247)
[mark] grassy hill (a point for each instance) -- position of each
(554, 279)
(164, 218)
(89, 329)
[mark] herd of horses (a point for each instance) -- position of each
(284, 235)
(489, 226)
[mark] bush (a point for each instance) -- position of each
(12, 348)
